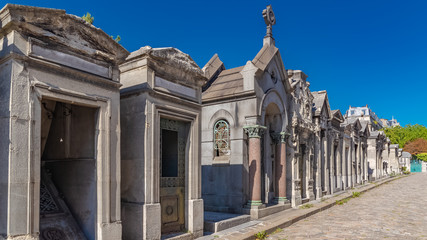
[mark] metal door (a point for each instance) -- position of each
(173, 139)
(415, 165)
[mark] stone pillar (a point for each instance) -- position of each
(372, 159)
(325, 164)
(280, 141)
(317, 168)
(339, 165)
(254, 133)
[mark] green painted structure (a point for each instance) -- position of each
(416, 165)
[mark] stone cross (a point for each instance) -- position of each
(269, 19)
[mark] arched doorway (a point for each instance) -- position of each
(271, 152)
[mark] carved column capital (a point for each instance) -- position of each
(284, 136)
(254, 131)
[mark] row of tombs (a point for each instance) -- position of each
(100, 143)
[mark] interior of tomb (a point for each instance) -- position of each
(68, 170)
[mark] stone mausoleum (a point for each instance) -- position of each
(59, 125)
(161, 175)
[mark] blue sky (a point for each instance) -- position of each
(361, 52)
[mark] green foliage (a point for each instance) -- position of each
(356, 194)
(341, 202)
(117, 39)
(261, 235)
(404, 169)
(306, 206)
(402, 135)
(277, 230)
(88, 18)
(422, 156)
(406, 172)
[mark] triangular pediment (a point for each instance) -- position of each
(337, 115)
(269, 54)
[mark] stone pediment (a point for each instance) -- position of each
(267, 55)
(60, 31)
(171, 64)
(337, 115)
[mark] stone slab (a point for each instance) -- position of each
(217, 221)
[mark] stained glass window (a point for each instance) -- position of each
(222, 138)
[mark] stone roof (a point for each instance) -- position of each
(171, 63)
(213, 66)
(264, 56)
(337, 115)
(229, 83)
(406, 155)
(61, 31)
(394, 145)
(170, 56)
(320, 99)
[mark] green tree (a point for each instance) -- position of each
(422, 156)
(403, 135)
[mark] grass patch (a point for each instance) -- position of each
(277, 230)
(341, 202)
(306, 206)
(356, 194)
(261, 235)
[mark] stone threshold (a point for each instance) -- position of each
(218, 221)
(177, 236)
(288, 217)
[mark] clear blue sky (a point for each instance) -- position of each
(361, 52)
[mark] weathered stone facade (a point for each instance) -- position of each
(59, 124)
(83, 160)
(161, 174)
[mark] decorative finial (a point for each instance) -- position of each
(269, 19)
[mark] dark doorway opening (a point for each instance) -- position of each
(68, 171)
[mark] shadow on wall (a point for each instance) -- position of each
(222, 188)
(5, 73)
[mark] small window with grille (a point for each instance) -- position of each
(221, 140)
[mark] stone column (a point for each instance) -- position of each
(325, 164)
(254, 133)
(372, 159)
(339, 164)
(280, 178)
(317, 164)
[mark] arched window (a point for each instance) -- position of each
(221, 138)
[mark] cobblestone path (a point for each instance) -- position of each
(395, 210)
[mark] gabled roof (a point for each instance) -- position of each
(228, 83)
(321, 101)
(264, 58)
(213, 67)
(336, 114)
(61, 31)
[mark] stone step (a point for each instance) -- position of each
(218, 221)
